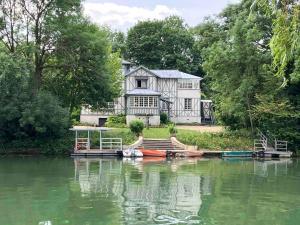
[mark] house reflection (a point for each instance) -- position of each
(154, 189)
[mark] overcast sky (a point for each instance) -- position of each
(122, 14)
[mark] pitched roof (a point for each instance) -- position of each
(174, 74)
(142, 91)
(166, 73)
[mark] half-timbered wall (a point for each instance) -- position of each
(144, 74)
(168, 89)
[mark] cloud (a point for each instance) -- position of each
(121, 17)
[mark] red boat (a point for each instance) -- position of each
(153, 153)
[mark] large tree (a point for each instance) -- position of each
(162, 44)
(83, 71)
(33, 27)
(237, 65)
(71, 57)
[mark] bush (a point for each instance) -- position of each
(164, 118)
(116, 121)
(136, 127)
(172, 129)
(45, 117)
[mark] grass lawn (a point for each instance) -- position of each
(204, 140)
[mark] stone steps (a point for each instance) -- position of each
(159, 144)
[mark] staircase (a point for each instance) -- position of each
(159, 144)
(269, 143)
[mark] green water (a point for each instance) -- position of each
(45, 191)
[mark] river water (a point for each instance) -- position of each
(50, 191)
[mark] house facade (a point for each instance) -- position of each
(148, 93)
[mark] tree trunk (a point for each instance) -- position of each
(249, 114)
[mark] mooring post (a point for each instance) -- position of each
(100, 139)
(76, 141)
(88, 142)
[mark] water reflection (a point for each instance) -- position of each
(146, 188)
(153, 191)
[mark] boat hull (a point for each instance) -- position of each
(132, 153)
(153, 153)
(238, 154)
(189, 154)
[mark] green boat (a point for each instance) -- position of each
(237, 154)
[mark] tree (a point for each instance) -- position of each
(238, 65)
(84, 71)
(118, 41)
(162, 44)
(23, 114)
(33, 27)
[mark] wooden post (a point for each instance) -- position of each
(100, 139)
(76, 135)
(88, 141)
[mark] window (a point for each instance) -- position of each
(141, 83)
(143, 102)
(185, 84)
(187, 104)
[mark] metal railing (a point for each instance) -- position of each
(280, 145)
(269, 143)
(259, 145)
(263, 139)
(111, 143)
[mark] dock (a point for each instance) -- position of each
(96, 153)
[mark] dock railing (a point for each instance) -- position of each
(269, 143)
(280, 145)
(111, 143)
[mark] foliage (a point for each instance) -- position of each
(172, 129)
(136, 127)
(24, 114)
(213, 141)
(116, 121)
(216, 141)
(45, 146)
(286, 37)
(14, 96)
(44, 117)
(127, 136)
(162, 44)
(85, 71)
(118, 41)
(238, 64)
(32, 28)
(164, 118)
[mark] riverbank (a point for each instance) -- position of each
(63, 146)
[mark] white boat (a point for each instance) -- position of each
(131, 152)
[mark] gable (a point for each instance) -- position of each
(141, 72)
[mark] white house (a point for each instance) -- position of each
(148, 93)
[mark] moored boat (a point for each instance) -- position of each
(190, 153)
(153, 153)
(237, 154)
(132, 153)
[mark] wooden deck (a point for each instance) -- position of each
(97, 152)
(207, 153)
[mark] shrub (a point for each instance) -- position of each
(164, 118)
(136, 127)
(45, 117)
(172, 129)
(116, 121)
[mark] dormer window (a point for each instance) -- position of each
(141, 83)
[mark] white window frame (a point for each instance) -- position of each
(185, 84)
(143, 101)
(188, 102)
